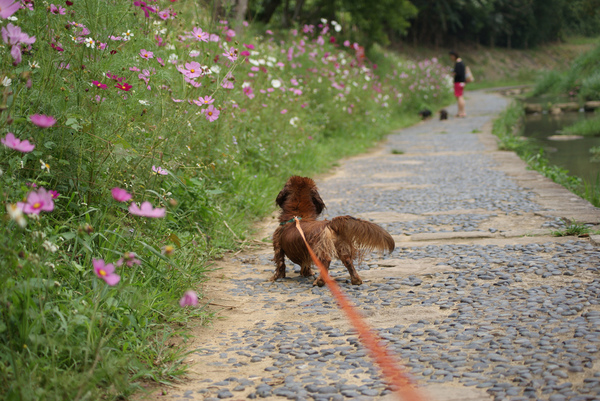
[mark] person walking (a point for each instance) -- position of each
(460, 78)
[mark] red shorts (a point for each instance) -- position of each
(458, 88)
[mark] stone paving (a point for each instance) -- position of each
(479, 300)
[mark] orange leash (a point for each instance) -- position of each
(394, 374)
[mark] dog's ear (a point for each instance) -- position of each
(282, 196)
(317, 201)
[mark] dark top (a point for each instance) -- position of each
(459, 72)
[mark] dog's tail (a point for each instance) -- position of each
(364, 236)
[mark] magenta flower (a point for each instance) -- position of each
(200, 35)
(120, 195)
(245, 53)
(54, 194)
(8, 8)
(212, 113)
(189, 298)
(283, 111)
(146, 210)
(146, 54)
(106, 272)
(42, 121)
(248, 91)
(248, 46)
(206, 99)
(129, 258)
(159, 170)
(99, 85)
(56, 10)
(37, 202)
(145, 7)
(10, 141)
(123, 86)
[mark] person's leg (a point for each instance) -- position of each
(461, 106)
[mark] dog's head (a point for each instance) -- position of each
(297, 192)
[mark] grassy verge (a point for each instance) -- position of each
(507, 128)
(140, 142)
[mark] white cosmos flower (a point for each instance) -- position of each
(323, 21)
(253, 62)
(337, 28)
(16, 214)
(6, 81)
(275, 83)
(294, 121)
(216, 69)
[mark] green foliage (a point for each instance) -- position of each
(587, 127)
(573, 228)
(397, 152)
(290, 107)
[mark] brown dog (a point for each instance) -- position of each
(344, 237)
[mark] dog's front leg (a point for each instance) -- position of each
(279, 259)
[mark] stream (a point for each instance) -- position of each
(573, 155)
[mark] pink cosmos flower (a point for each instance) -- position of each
(213, 37)
(146, 210)
(192, 70)
(13, 36)
(159, 170)
(10, 141)
(164, 14)
(146, 54)
(189, 298)
(160, 61)
(232, 54)
(37, 202)
(8, 8)
(42, 121)
(245, 53)
(212, 113)
(283, 111)
(129, 258)
(120, 194)
(106, 272)
(247, 46)
(200, 35)
(206, 99)
(227, 84)
(56, 10)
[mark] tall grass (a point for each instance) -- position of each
(129, 89)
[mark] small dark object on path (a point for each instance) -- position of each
(443, 114)
(425, 113)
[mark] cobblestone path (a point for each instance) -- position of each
(479, 300)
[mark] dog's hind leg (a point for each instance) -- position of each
(279, 259)
(319, 281)
(354, 277)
